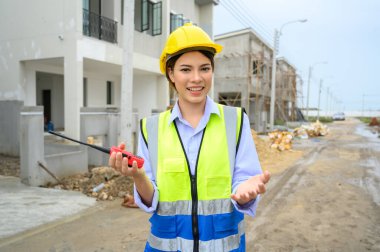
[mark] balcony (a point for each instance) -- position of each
(100, 27)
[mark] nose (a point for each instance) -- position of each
(197, 77)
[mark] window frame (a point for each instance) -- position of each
(156, 15)
(176, 20)
(109, 93)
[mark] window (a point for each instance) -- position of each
(156, 10)
(141, 15)
(254, 66)
(84, 92)
(122, 12)
(109, 93)
(86, 4)
(148, 17)
(176, 20)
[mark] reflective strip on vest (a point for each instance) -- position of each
(205, 207)
(185, 245)
(152, 139)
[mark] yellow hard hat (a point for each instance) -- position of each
(185, 37)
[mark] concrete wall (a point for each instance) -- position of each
(62, 158)
(103, 126)
(34, 36)
(69, 160)
(10, 127)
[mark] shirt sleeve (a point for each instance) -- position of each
(247, 164)
(144, 153)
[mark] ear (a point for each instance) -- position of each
(171, 74)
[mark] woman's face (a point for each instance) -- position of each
(192, 77)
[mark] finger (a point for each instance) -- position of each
(246, 197)
(265, 177)
(111, 160)
(124, 168)
(252, 195)
(118, 161)
(121, 146)
(235, 197)
(134, 164)
(261, 188)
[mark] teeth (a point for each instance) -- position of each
(195, 89)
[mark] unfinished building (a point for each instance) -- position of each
(243, 78)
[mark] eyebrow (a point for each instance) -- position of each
(185, 65)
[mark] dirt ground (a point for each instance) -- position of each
(323, 196)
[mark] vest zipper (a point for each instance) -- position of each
(194, 212)
(194, 191)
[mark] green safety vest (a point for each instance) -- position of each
(195, 211)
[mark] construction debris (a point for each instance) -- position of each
(374, 122)
(313, 130)
(103, 183)
(281, 140)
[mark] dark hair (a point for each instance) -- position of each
(171, 62)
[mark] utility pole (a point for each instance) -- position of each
(308, 87)
(273, 81)
(319, 97)
(363, 105)
(327, 101)
(277, 35)
(308, 93)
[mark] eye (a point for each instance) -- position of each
(185, 70)
(205, 69)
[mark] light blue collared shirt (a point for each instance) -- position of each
(246, 163)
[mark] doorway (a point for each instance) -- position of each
(46, 102)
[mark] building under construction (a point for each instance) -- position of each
(243, 78)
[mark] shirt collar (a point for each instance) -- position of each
(210, 108)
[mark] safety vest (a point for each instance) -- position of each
(195, 212)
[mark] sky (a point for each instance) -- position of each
(345, 34)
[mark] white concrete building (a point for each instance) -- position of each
(75, 59)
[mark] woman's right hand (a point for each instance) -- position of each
(120, 163)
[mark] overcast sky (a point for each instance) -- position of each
(345, 33)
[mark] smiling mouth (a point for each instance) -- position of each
(195, 89)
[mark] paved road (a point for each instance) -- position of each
(328, 201)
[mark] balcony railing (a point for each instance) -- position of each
(99, 27)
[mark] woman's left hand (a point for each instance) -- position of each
(248, 190)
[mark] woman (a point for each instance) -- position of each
(201, 172)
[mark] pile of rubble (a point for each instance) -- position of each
(313, 130)
(103, 183)
(263, 148)
(281, 140)
(374, 122)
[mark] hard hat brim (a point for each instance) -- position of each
(214, 48)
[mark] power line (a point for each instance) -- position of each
(254, 19)
(235, 15)
(244, 18)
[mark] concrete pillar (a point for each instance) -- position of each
(163, 93)
(30, 86)
(245, 99)
(206, 13)
(73, 92)
(113, 132)
(31, 145)
(127, 77)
